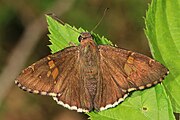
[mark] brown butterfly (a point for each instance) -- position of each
(89, 76)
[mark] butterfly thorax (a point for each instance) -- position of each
(89, 60)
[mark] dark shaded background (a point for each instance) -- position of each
(23, 40)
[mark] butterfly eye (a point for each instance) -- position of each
(80, 38)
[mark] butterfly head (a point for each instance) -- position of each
(85, 36)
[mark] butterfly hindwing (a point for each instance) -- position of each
(73, 94)
(123, 71)
(69, 85)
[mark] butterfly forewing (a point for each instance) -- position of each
(139, 69)
(42, 76)
(58, 75)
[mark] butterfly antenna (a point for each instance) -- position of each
(56, 18)
(100, 19)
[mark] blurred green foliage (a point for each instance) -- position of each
(162, 30)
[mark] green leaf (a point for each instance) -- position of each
(151, 103)
(62, 36)
(163, 32)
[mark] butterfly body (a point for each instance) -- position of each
(91, 76)
(88, 61)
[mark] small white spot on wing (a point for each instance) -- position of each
(23, 87)
(43, 93)
(59, 94)
(35, 91)
(155, 82)
(16, 82)
(141, 87)
(149, 85)
(19, 85)
(52, 94)
(29, 90)
(131, 89)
